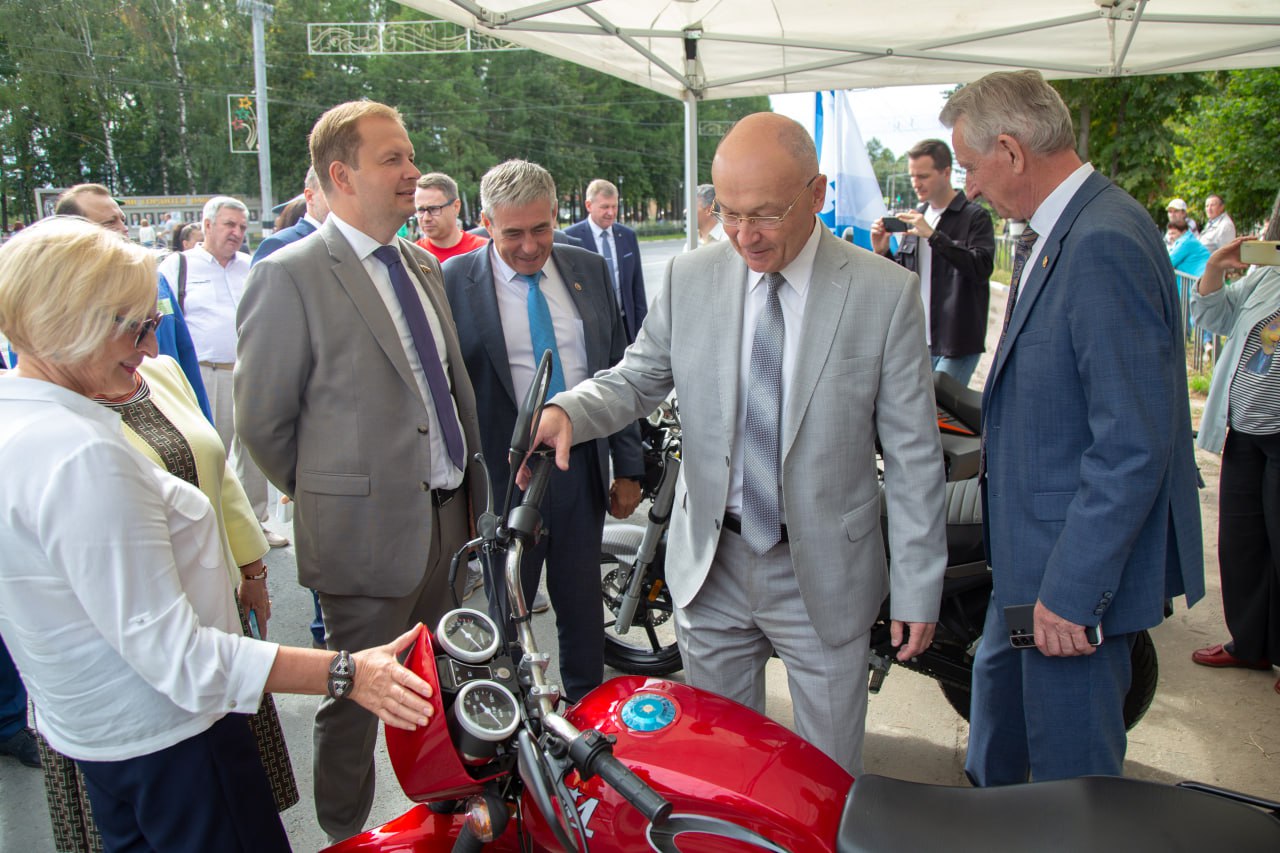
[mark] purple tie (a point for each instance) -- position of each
(425, 343)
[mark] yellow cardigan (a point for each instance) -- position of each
(172, 395)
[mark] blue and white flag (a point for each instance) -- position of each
(854, 199)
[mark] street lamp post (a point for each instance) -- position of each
(261, 13)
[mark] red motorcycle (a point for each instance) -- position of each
(647, 764)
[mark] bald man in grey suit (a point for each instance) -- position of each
(363, 417)
(808, 580)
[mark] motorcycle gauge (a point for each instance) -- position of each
(484, 714)
(468, 635)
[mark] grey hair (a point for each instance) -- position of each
(1272, 231)
(516, 183)
(1018, 103)
(706, 195)
(312, 180)
(213, 205)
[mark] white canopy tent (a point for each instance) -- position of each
(709, 49)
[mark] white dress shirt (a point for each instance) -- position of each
(443, 473)
(513, 307)
(603, 235)
(117, 604)
(924, 259)
(793, 296)
(212, 295)
(1046, 217)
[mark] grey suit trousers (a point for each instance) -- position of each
(748, 608)
(345, 733)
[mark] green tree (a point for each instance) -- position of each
(1232, 145)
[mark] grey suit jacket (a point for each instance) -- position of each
(862, 372)
(328, 407)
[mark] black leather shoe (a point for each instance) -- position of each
(22, 746)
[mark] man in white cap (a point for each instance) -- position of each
(1177, 211)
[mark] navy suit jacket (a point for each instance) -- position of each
(630, 271)
(468, 282)
(282, 238)
(1090, 501)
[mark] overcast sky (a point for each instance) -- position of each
(898, 116)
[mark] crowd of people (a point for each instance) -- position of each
(153, 408)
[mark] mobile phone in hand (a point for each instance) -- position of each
(254, 630)
(1022, 627)
(893, 223)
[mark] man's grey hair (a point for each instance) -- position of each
(439, 181)
(706, 195)
(213, 205)
(312, 180)
(516, 183)
(1018, 103)
(601, 187)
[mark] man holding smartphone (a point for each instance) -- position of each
(950, 244)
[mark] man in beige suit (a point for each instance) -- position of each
(353, 398)
(791, 352)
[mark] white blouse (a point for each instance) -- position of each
(117, 603)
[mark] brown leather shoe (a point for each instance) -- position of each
(1220, 657)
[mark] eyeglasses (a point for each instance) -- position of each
(142, 328)
(764, 223)
(433, 210)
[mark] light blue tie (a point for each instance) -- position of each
(542, 332)
(606, 244)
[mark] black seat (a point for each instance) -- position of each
(1094, 814)
(963, 515)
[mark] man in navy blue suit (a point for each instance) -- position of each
(317, 212)
(601, 232)
(502, 292)
(1089, 492)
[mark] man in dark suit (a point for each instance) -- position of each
(951, 246)
(621, 250)
(1089, 492)
(317, 211)
(522, 295)
(353, 398)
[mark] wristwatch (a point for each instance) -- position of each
(342, 674)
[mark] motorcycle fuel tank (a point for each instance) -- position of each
(738, 781)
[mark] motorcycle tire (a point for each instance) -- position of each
(649, 648)
(1142, 688)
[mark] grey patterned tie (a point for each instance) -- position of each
(761, 513)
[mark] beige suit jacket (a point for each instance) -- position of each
(327, 405)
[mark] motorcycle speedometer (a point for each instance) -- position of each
(468, 635)
(483, 715)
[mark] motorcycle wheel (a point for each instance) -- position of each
(649, 647)
(1142, 689)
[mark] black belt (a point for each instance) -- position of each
(441, 497)
(734, 524)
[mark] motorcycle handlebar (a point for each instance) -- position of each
(540, 464)
(591, 752)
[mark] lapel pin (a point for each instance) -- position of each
(577, 286)
(1044, 262)
(425, 269)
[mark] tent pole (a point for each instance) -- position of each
(691, 167)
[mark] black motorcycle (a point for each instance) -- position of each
(640, 632)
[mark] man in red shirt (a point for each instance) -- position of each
(437, 204)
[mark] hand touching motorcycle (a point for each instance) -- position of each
(555, 430)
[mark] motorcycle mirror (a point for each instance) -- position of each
(527, 420)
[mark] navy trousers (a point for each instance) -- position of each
(13, 697)
(1040, 718)
(208, 792)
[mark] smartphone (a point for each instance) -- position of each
(1022, 627)
(254, 631)
(1265, 252)
(893, 223)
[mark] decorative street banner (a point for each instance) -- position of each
(242, 124)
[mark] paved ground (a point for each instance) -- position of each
(1221, 727)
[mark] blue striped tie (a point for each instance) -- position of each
(542, 332)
